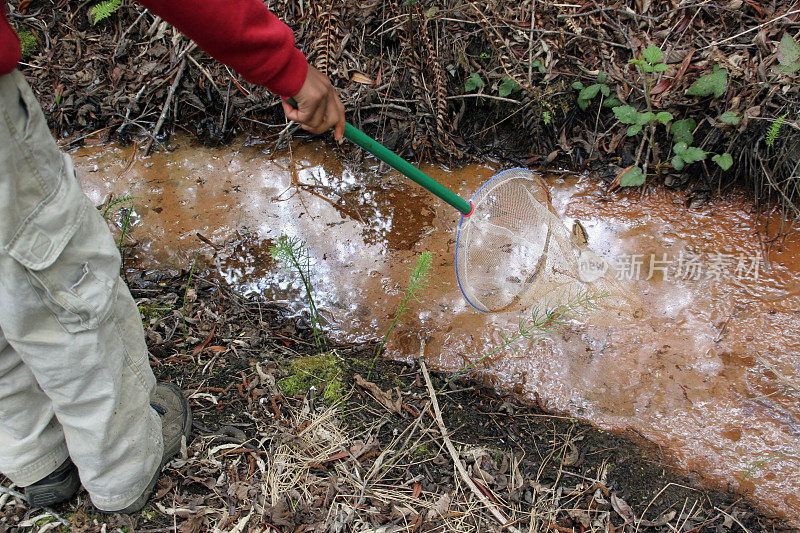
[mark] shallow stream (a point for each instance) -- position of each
(710, 371)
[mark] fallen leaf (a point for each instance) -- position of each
(363, 79)
(384, 398)
(622, 508)
(199, 348)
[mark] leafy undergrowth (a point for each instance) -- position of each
(533, 81)
(288, 439)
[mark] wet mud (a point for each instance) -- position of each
(709, 370)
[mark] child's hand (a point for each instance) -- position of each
(318, 107)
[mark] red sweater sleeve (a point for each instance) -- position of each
(9, 43)
(244, 35)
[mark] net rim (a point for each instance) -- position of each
(461, 223)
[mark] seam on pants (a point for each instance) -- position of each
(129, 362)
(20, 136)
(26, 153)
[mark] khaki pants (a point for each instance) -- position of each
(74, 375)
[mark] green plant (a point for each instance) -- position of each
(320, 370)
(125, 217)
(473, 82)
(28, 43)
(294, 256)
(714, 84)
(788, 56)
(587, 93)
(730, 118)
(186, 290)
(539, 323)
(685, 154)
(417, 281)
(104, 9)
(113, 203)
(649, 62)
(683, 136)
(774, 130)
(507, 86)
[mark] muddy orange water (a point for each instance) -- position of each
(710, 371)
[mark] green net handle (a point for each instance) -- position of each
(401, 165)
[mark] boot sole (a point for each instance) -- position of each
(47, 495)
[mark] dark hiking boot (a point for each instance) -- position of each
(54, 488)
(176, 421)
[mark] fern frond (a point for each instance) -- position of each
(104, 9)
(774, 129)
(114, 203)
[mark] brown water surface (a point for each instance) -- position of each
(710, 371)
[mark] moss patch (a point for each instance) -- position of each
(149, 312)
(321, 370)
(29, 43)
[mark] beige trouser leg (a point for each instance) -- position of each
(74, 373)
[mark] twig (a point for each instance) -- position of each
(480, 95)
(504, 522)
(781, 377)
(755, 28)
(165, 110)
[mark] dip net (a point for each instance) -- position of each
(514, 251)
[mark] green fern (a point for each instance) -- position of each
(417, 282)
(104, 9)
(772, 134)
(113, 203)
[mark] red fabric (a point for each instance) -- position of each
(10, 53)
(243, 34)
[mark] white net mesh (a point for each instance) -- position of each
(514, 251)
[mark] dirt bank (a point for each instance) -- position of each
(289, 437)
(532, 80)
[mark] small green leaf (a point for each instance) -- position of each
(632, 178)
(788, 56)
(680, 148)
(653, 54)
(589, 92)
(605, 90)
(788, 50)
(611, 102)
(664, 117)
(660, 67)
(626, 114)
(429, 14)
(583, 104)
(633, 130)
(507, 86)
(538, 65)
(682, 130)
(647, 67)
(678, 163)
(715, 83)
(729, 117)
(602, 77)
(725, 161)
(577, 85)
(644, 118)
(473, 82)
(692, 154)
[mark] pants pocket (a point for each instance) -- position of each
(80, 287)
